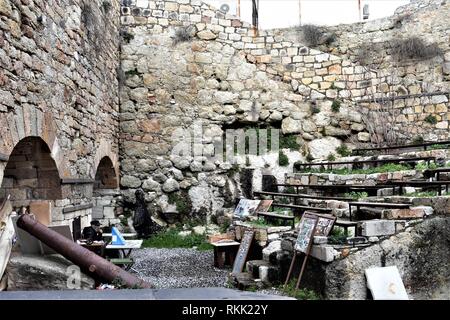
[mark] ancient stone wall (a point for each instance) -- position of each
(413, 83)
(187, 65)
(58, 83)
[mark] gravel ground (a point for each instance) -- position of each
(178, 268)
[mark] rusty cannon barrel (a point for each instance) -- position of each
(88, 261)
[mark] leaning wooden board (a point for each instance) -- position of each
(244, 248)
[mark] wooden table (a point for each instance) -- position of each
(224, 253)
(97, 247)
(129, 245)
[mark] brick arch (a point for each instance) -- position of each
(26, 122)
(104, 150)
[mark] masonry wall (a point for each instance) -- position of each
(58, 82)
(184, 61)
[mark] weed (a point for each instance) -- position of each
(300, 294)
(336, 106)
(312, 34)
(337, 236)
(283, 159)
(182, 201)
(182, 34)
(414, 48)
(431, 119)
(356, 195)
(171, 239)
(331, 157)
(343, 150)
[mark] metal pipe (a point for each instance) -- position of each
(91, 263)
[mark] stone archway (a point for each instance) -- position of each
(31, 178)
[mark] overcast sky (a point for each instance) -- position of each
(286, 13)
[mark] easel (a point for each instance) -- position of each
(309, 237)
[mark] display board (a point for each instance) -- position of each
(246, 207)
(306, 233)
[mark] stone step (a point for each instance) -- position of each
(245, 281)
(264, 270)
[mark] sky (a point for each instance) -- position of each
(286, 13)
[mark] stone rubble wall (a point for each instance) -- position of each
(58, 81)
(217, 78)
(421, 87)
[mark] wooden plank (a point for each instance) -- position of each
(396, 160)
(77, 208)
(293, 206)
(274, 215)
(243, 251)
(405, 146)
(300, 196)
(380, 204)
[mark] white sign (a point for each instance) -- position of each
(386, 284)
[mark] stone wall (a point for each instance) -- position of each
(58, 83)
(418, 88)
(187, 65)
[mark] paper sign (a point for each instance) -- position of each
(117, 238)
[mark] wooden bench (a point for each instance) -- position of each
(284, 217)
(303, 208)
(376, 205)
(423, 146)
(225, 252)
(340, 188)
(298, 196)
(420, 184)
(435, 173)
(309, 165)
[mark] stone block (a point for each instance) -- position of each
(108, 212)
(324, 253)
(412, 213)
(377, 227)
(320, 240)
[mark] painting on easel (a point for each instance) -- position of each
(305, 233)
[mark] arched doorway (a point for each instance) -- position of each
(105, 177)
(31, 178)
(106, 191)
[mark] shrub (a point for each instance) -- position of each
(337, 236)
(336, 106)
(171, 239)
(331, 157)
(431, 119)
(343, 150)
(414, 48)
(289, 142)
(330, 39)
(283, 159)
(182, 35)
(356, 195)
(315, 109)
(418, 140)
(300, 294)
(312, 34)
(182, 201)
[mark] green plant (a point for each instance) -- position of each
(337, 236)
(336, 106)
(343, 150)
(233, 170)
(283, 159)
(315, 109)
(331, 157)
(182, 202)
(309, 157)
(131, 73)
(356, 195)
(171, 239)
(431, 119)
(289, 142)
(225, 225)
(300, 294)
(290, 190)
(425, 166)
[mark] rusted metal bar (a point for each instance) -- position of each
(88, 261)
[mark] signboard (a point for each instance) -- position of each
(242, 253)
(324, 224)
(246, 207)
(385, 283)
(305, 233)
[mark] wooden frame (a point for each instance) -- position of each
(322, 219)
(244, 248)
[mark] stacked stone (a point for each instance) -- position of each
(58, 81)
